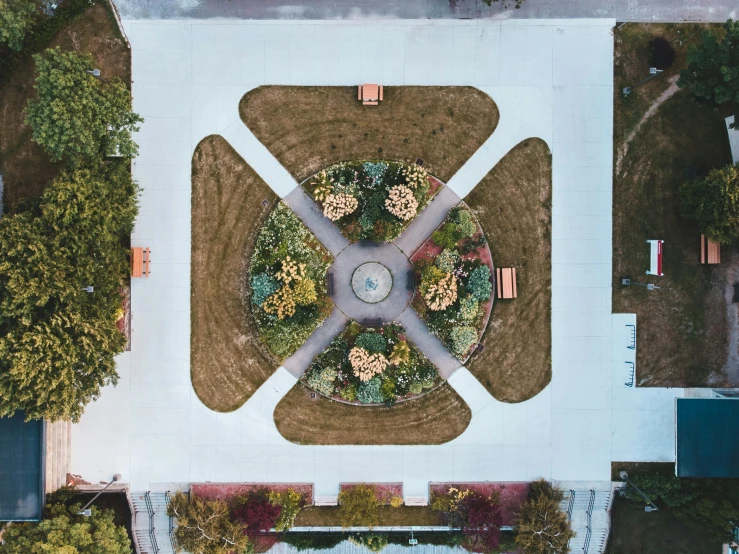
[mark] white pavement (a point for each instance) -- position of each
(551, 79)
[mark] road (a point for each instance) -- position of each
(621, 10)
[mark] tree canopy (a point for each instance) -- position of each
(77, 117)
(358, 506)
(16, 17)
(65, 532)
(713, 202)
(542, 528)
(713, 68)
(57, 341)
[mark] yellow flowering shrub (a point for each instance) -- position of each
(304, 292)
(336, 206)
(401, 202)
(443, 294)
(280, 303)
(366, 365)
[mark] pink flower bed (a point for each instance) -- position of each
(383, 491)
(511, 495)
(228, 491)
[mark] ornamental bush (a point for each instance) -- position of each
(447, 260)
(446, 237)
(290, 503)
(375, 171)
(205, 526)
(366, 365)
(256, 513)
(370, 392)
(262, 286)
(443, 294)
(358, 506)
(465, 224)
(401, 202)
(462, 338)
(468, 309)
(372, 342)
(479, 283)
(401, 353)
(304, 292)
(323, 380)
(336, 206)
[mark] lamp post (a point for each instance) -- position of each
(85, 511)
(653, 72)
(625, 478)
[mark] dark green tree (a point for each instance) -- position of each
(713, 68)
(16, 17)
(63, 531)
(77, 117)
(713, 202)
(57, 341)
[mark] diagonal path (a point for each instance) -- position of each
(324, 230)
(427, 221)
(316, 343)
(428, 343)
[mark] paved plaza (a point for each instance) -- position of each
(550, 79)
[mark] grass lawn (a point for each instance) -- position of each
(328, 516)
(228, 359)
(25, 167)
(682, 328)
(309, 128)
(435, 418)
(513, 203)
(633, 530)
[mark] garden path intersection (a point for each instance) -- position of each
(550, 79)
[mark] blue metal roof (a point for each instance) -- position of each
(21, 469)
(706, 437)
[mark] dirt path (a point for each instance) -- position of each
(661, 99)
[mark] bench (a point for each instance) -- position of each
(330, 283)
(372, 322)
(736, 293)
(710, 251)
(410, 283)
(506, 282)
(370, 94)
(415, 501)
(140, 261)
(366, 243)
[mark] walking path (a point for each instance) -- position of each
(316, 343)
(325, 231)
(427, 221)
(419, 334)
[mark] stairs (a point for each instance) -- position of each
(151, 524)
(590, 518)
(58, 445)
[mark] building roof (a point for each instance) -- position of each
(21, 464)
(706, 443)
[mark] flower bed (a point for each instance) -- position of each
(510, 496)
(287, 291)
(455, 271)
(372, 200)
(228, 491)
(390, 494)
(366, 366)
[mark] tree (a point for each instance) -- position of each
(57, 341)
(16, 17)
(476, 515)
(542, 528)
(75, 116)
(713, 202)
(713, 68)
(65, 532)
(358, 506)
(255, 511)
(205, 527)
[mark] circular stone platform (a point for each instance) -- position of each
(372, 282)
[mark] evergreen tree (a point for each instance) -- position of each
(542, 528)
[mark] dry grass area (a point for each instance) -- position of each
(328, 516)
(435, 418)
(228, 359)
(25, 166)
(514, 206)
(308, 128)
(682, 328)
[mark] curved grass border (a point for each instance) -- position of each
(228, 361)
(435, 418)
(308, 128)
(513, 203)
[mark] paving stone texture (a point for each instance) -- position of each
(550, 79)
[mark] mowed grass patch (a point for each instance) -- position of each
(228, 359)
(328, 516)
(682, 328)
(513, 204)
(309, 128)
(435, 418)
(25, 166)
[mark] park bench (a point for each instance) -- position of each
(655, 257)
(370, 94)
(140, 261)
(368, 243)
(506, 281)
(410, 283)
(372, 322)
(330, 283)
(710, 251)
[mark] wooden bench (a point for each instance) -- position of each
(506, 282)
(410, 282)
(140, 261)
(367, 322)
(368, 243)
(330, 283)
(370, 94)
(710, 251)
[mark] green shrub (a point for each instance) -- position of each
(416, 388)
(358, 506)
(370, 392)
(468, 309)
(447, 236)
(372, 342)
(388, 389)
(446, 260)
(465, 224)
(313, 541)
(16, 17)
(262, 286)
(479, 283)
(374, 542)
(462, 338)
(349, 393)
(290, 503)
(430, 275)
(323, 380)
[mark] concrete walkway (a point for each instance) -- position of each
(322, 227)
(316, 343)
(419, 334)
(427, 221)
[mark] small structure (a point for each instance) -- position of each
(733, 139)
(506, 279)
(655, 257)
(369, 94)
(710, 251)
(140, 261)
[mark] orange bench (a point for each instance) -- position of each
(370, 94)
(140, 261)
(710, 251)
(506, 281)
